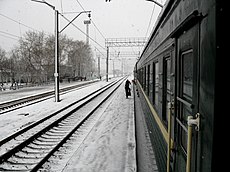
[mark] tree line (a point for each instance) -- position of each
(32, 61)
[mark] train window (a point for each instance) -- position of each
(186, 85)
(156, 84)
(148, 80)
(166, 88)
(141, 76)
(153, 84)
(187, 77)
(144, 77)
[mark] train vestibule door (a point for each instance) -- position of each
(187, 100)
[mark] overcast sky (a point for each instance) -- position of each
(115, 19)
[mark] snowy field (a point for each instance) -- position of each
(15, 120)
(110, 145)
(8, 94)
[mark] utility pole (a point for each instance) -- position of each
(56, 70)
(56, 73)
(113, 69)
(87, 22)
(122, 67)
(56, 60)
(99, 67)
(107, 65)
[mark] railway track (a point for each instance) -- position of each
(14, 104)
(29, 148)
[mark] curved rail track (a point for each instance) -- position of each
(29, 148)
(14, 104)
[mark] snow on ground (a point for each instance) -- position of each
(146, 156)
(17, 119)
(8, 94)
(109, 147)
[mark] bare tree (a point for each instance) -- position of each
(33, 60)
(80, 58)
(3, 65)
(31, 52)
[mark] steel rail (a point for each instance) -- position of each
(19, 132)
(16, 102)
(39, 165)
(12, 152)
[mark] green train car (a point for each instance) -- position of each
(176, 79)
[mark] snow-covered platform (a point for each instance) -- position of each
(118, 142)
(146, 160)
(110, 146)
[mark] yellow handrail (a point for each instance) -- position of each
(196, 123)
(169, 137)
(189, 146)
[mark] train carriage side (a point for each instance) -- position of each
(176, 82)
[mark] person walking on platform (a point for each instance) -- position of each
(127, 89)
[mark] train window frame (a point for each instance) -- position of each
(141, 76)
(166, 87)
(185, 103)
(148, 78)
(144, 78)
(155, 84)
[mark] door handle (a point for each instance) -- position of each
(196, 121)
(191, 122)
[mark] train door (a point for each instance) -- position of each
(166, 96)
(187, 99)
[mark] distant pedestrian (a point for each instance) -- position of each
(127, 89)
(2, 87)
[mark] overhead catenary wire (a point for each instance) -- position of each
(29, 27)
(98, 29)
(20, 23)
(10, 34)
(92, 22)
(82, 32)
(61, 7)
(150, 20)
(95, 25)
(8, 37)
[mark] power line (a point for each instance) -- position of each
(83, 32)
(18, 22)
(38, 30)
(10, 34)
(100, 52)
(150, 20)
(61, 7)
(92, 20)
(8, 37)
(80, 5)
(98, 29)
(93, 24)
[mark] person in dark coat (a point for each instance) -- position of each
(127, 89)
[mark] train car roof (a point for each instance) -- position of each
(166, 8)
